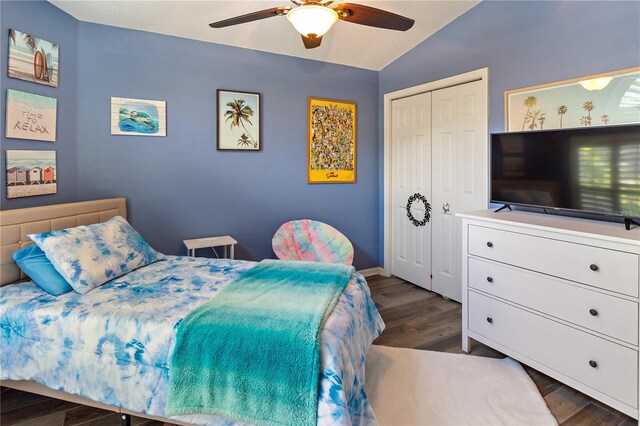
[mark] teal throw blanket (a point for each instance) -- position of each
(253, 351)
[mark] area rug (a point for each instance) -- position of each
(414, 387)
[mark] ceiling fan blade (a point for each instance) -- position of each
(311, 43)
(253, 16)
(370, 16)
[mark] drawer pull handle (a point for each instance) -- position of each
(593, 363)
(489, 244)
(489, 279)
(490, 320)
(594, 267)
(593, 312)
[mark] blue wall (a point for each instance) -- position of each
(45, 21)
(523, 44)
(180, 186)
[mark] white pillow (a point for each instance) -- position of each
(89, 256)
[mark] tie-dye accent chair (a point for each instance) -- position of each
(313, 241)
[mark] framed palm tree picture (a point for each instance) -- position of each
(239, 121)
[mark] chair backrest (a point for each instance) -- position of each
(313, 241)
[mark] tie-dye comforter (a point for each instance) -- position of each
(114, 344)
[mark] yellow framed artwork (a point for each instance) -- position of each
(332, 141)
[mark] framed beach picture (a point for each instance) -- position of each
(239, 117)
(31, 173)
(32, 59)
(138, 117)
(332, 141)
(593, 100)
(30, 116)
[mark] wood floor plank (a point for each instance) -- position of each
(54, 419)
(545, 384)
(112, 419)
(84, 415)
(450, 343)
(595, 416)
(13, 399)
(628, 422)
(33, 411)
(565, 402)
(139, 421)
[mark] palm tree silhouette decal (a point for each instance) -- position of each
(529, 102)
(541, 119)
(239, 113)
(562, 110)
(588, 106)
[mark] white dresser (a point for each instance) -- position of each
(558, 294)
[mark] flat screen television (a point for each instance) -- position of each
(590, 170)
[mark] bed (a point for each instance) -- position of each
(111, 347)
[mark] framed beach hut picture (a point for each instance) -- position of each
(138, 117)
(332, 141)
(32, 59)
(31, 173)
(239, 120)
(30, 116)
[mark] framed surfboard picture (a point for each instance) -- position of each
(32, 59)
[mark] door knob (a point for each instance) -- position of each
(445, 208)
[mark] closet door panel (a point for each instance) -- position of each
(411, 174)
(460, 175)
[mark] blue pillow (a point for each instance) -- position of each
(35, 264)
(90, 255)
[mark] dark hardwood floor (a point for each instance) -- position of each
(415, 318)
(418, 319)
(28, 409)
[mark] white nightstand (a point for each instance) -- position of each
(224, 240)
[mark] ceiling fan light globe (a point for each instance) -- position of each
(312, 20)
(596, 83)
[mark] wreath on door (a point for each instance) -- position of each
(427, 209)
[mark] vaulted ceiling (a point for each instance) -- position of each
(346, 43)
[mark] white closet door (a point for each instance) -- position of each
(411, 174)
(460, 173)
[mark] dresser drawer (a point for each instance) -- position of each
(614, 270)
(614, 316)
(559, 347)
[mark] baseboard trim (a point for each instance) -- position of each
(371, 271)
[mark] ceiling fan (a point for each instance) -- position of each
(313, 18)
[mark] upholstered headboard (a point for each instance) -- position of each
(16, 224)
